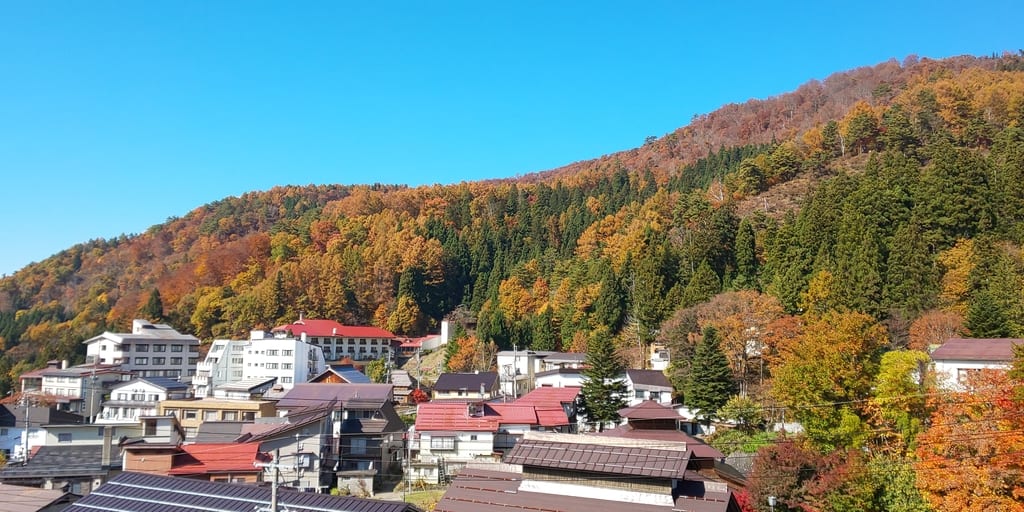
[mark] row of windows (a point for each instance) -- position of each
(138, 397)
(274, 352)
(212, 415)
(362, 341)
(159, 347)
(272, 366)
(157, 361)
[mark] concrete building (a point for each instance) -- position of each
(150, 350)
(361, 343)
(139, 397)
(289, 360)
(78, 389)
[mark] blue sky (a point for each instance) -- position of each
(115, 116)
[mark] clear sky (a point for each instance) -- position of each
(115, 116)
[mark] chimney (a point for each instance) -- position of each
(64, 364)
(481, 390)
(108, 440)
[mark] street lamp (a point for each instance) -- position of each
(771, 503)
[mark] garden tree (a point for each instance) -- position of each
(744, 412)
(153, 309)
(603, 388)
(702, 286)
(710, 382)
(472, 354)
(377, 370)
(741, 320)
(746, 257)
(781, 470)
(826, 373)
(933, 328)
(969, 457)
(418, 396)
(895, 484)
(899, 408)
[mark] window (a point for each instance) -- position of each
(190, 432)
(362, 341)
(189, 414)
(192, 361)
(141, 361)
(177, 348)
(248, 415)
(286, 380)
(103, 348)
(358, 446)
(172, 412)
(122, 396)
(3, 432)
(142, 348)
(286, 366)
(126, 348)
(272, 352)
(63, 438)
(160, 360)
(271, 366)
(237, 360)
(286, 353)
(656, 396)
(160, 348)
(236, 373)
(154, 398)
(138, 397)
(442, 443)
(230, 415)
(472, 437)
(211, 415)
(639, 393)
(176, 361)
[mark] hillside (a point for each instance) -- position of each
(892, 180)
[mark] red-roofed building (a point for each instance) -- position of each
(556, 407)
(449, 435)
(337, 340)
(958, 358)
(220, 462)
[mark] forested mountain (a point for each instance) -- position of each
(891, 190)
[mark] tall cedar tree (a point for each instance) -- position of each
(709, 384)
(603, 389)
(153, 310)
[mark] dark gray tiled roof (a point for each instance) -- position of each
(62, 461)
(14, 416)
(598, 458)
(137, 492)
(467, 381)
(654, 378)
(305, 395)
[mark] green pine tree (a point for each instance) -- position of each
(603, 390)
(986, 318)
(153, 310)
(746, 257)
(704, 285)
(709, 384)
(543, 335)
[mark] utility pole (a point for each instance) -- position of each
(276, 466)
(24, 404)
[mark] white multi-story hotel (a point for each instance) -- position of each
(289, 360)
(361, 343)
(150, 350)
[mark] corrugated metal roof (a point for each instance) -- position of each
(137, 492)
(977, 349)
(467, 381)
(600, 458)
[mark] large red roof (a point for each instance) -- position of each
(313, 327)
(454, 416)
(218, 458)
(549, 396)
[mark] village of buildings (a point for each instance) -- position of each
(290, 416)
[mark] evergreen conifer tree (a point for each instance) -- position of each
(153, 310)
(709, 384)
(603, 389)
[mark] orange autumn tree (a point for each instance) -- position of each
(971, 458)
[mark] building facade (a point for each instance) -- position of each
(289, 360)
(150, 350)
(361, 343)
